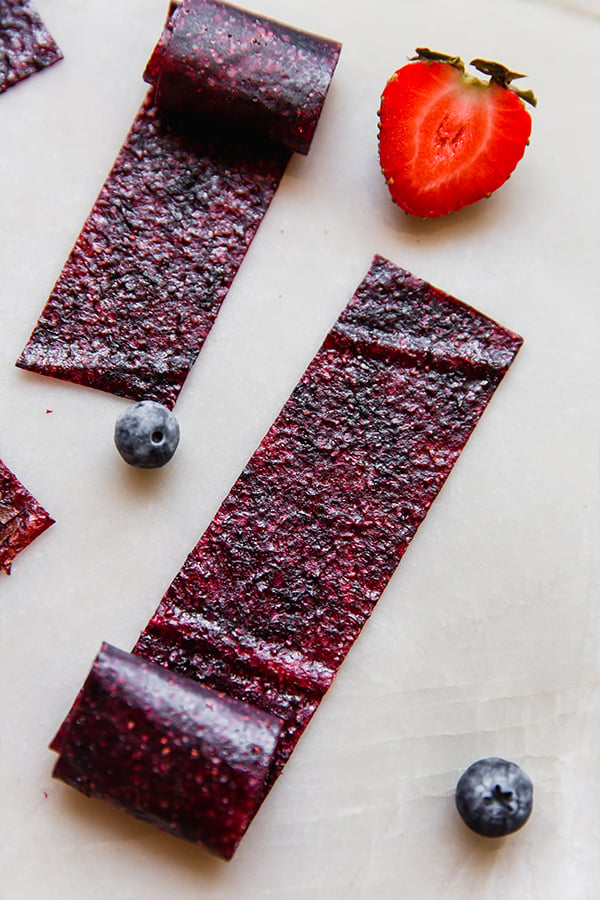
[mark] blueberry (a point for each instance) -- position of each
(147, 434)
(494, 797)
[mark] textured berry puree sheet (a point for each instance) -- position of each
(273, 596)
(148, 274)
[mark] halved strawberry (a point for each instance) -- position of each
(447, 138)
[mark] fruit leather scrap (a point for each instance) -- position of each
(22, 518)
(271, 599)
(234, 94)
(26, 46)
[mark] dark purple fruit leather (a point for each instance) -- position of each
(188, 759)
(276, 591)
(148, 274)
(230, 63)
(22, 518)
(26, 46)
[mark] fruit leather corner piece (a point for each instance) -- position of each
(182, 757)
(26, 46)
(275, 78)
(145, 281)
(22, 518)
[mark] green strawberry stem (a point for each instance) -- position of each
(503, 76)
(497, 72)
(427, 55)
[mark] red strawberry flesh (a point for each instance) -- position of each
(447, 139)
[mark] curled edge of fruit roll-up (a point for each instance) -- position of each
(251, 70)
(185, 758)
(22, 518)
(279, 586)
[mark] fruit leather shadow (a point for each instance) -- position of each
(274, 594)
(233, 96)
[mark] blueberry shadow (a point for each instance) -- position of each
(141, 485)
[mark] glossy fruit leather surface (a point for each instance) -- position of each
(279, 586)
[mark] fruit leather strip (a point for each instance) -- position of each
(22, 518)
(167, 750)
(157, 255)
(222, 60)
(148, 273)
(271, 599)
(25, 44)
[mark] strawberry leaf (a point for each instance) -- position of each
(424, 54)
(504, 77)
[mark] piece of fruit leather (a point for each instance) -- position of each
(167, 750)
(22, 518)
(26, 46)
(275, 78)
(272, 597)
(145, 281)
(276, 591)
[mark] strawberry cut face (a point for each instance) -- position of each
(447, 139)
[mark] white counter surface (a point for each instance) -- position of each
(487, 640)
